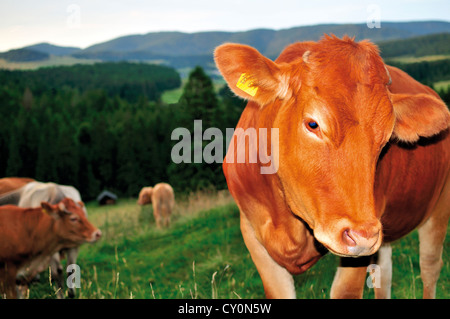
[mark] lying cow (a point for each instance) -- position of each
(162, 198)
(30, 236)
(26, 192)
(364, 157)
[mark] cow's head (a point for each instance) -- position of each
(71, 223)
(335, 114)
(145, 196)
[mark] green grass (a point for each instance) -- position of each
(441, 85)
(173, 96)
(52, 61)
(414, 59)
(202, 255)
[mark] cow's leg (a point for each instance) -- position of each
(165, 215)
(350, 278)
(57, 274)
(348, 283)
(277, 281)
(22, 291)
(383, 291)
(8, 273)
(156, 214)
(431, 236)
(72, 255)
(168, 213)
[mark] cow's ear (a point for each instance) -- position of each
(47, 208)
(419, 115)
(62, 208)
(250, 75)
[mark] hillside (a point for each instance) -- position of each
(268, 42)
(186, 50)
(126, 80)
(435, 44)
(53, 49)
(24, 55)
(135, 260)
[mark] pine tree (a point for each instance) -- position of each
(14, 163)
(199, 99)
(198, 102)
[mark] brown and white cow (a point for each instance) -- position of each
(28, 193)
(33, 235)
(364, 157)
(162, 198)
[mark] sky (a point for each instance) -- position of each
(82, 23)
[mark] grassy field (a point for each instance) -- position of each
(442, 85)
(52, 61)
(202, 255)
(413, 59)
(173, 96)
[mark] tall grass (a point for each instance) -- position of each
(202, 255)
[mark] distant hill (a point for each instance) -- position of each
(186, 50)
(53, 49)
(268, 42)
(23, 55)
(433, 44)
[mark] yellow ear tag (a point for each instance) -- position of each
(245, 83)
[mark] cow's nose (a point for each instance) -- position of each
(362, 241)
(96, 235)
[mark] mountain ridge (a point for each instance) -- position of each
(181, 49)
(268, 41)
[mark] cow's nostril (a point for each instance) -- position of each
(348, 240)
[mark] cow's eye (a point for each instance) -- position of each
(313, 125)
(74, 219)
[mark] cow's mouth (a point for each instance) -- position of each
(349, 247)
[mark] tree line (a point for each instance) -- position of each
(428, 73)
(104, 126)
(433, 44)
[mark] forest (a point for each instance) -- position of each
(104, 126)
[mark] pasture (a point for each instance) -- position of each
(202, 255)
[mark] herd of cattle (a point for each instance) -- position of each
(364, 159)
(41, 222)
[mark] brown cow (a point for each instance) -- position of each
(364, 157)
(162, 198)
(13, 183)
(9, 186)
(33, 235)
(26, 193)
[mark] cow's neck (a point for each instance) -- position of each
(43, 238)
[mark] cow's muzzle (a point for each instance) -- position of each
(361, 242)
(350, 239)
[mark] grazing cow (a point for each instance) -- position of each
(32, 235)
(162, 198)
(363, 159)
(12, 183)
(9, 187)
(30, 193)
